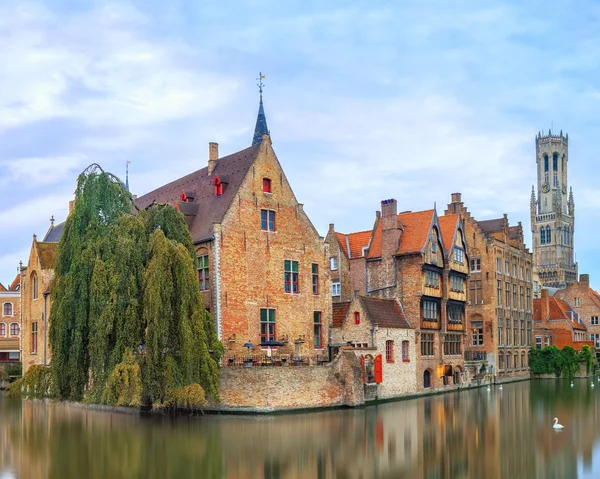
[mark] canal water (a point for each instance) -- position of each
(467, 434)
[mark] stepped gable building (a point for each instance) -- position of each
(558, 324)
(347, 262)
(585, 301)
(36, 279)
(10, 322)
(499, 310)
(409, 261)
(553, 214)
(378, 332)
(262, 266)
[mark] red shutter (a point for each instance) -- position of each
(378, 369)
(362, 368)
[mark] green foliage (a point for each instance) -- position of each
(587, 356)
(15, 370)
(561, 362)
(34, 385)
(124, 385)
(3, 374)
(127, 283)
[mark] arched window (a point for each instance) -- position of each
(548, 235)
(34, 285)
(542, 235)
(500, 361)
(522, 360)
(14, 329)
(2, 329)
(516, 363)
(426, 379)
(369, 369)
(545, 162)
(7, 309)
(555, 161)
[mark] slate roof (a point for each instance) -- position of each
(448, 224)
(384, 312)
(54, 233)
(356, 242)
(211, 208)
(414, 235)
(491, 226)
(339, 313)
(261, 124)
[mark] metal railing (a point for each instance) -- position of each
(275, 359)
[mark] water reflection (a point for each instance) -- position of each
(469, 434)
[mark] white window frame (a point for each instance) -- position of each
(12, 309)
(333, 263)
(336, 286)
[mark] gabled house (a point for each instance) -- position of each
(10, 322)
(378, 332)
(347, 262)
(557, 323)
(408, 260)
(262, 266)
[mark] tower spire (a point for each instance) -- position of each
(261, 121)
(532, 195)
(127, 175)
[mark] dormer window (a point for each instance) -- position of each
(266, 186)
(218, 186)
(356, 317)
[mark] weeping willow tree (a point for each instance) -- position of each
(125, 284)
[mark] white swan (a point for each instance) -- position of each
(593, 385)
(571, 383)
(556, 425)
(500, 387)
(489, 388)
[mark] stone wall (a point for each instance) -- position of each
(264, 389)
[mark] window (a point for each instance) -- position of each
(500, 336)
(499, 286)
(522, 360)
(498, 265)
(520, 272)
(459, 255)
(577, 303)
(457, 284)
(475, 294)
(14, 356)
(555, 179)
(426, 344)
(432, 279)
(521, 298)
(477, 333)
(318, 330)
(523, 343)
(389, 351)
(7, 309)
(508, 332)
(2, 329)
(528, 274)
(507, 268)
(218, 186)
(333, 264)
(266, 185)
(452, 344)
(508, 356)
(429, 310)
(514, 303)
(14, 329)
(538, 342)
(426, 380)
(203, 275)
(405, 357)
(456, 312)
(507, 290)
(267, 220)
(594, 320)
(34, 334)
(336, 289)
(528, 299)
(514, 270)
(34, 285)
(267, 325)
(434, 245)
(548, 235)
(555, 161)
(290, 276)
(545, 162)
(515, 333)
(356, 317)
(475, 265)
(315, 278)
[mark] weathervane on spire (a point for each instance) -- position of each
(260, 84)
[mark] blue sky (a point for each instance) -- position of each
(410, 100)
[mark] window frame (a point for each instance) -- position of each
(203, 269)
(266, 185)
(356, 317)
(267, 324)
(267, 220)
(34, 337)
(315, 278)
(291, 283)
(333, 263)
(2, 330)
(336, 286)
(318, 330)
(475, 265)
(18, 329)
(405, 351)
(389, 351)
(8, 306)
(477, 333)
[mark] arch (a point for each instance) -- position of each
(427, 379)
(15, 329)
(555, 161)
(548, 235)
(2, 329)
(369, 369)
(34, 285)
(7, 309)
(542, 235)
(545, 162)
(457, 377)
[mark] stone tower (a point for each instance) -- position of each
(553, 214)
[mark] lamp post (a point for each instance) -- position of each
(46, 294)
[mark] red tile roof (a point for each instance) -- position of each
(2, 288)
(384, 312)
(342, 240)
(557, 309)
(339, 313)
(415, 228)
(448, 225)
(15, 284)
(357, 241)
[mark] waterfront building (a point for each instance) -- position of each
(378, 332)
(585, 301)
(556, 323)
(262, 267)
(500, 301)
(36, 281)
(10, 322)
(553, 215)
(408, 260)
(347, 263)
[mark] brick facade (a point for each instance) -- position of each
(493, 245)
(10, 322)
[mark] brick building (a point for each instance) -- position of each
(499, 313)
(380, 335)
(408, 260)
(262, 266)
(36, 281)
(586, 303)
(10, 322)
(347, 263)
(558, 324)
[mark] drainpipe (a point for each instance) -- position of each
(373, 337)
(217, 281)
(46, 294)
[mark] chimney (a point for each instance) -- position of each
(389, 215)
(544, 305)
(456, 198)
(331, 227)
(585, 279)
(213, 156)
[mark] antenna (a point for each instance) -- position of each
(260, 84)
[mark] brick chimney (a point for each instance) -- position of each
(389, 214)
(585, 279)
(544, 305)
(390, 232)
(213, 156)
(456, 198)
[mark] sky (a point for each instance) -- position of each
(411, 100)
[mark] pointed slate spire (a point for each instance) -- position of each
(127, 175)
(532, 195)
(261, 121)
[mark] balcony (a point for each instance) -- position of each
(475, 355)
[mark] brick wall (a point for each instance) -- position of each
(588, 307)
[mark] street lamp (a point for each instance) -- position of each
(45, 294)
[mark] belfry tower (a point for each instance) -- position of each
(553, 214)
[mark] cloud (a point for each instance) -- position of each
(36, 172)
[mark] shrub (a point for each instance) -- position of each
(124, 385)
(34, 385)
